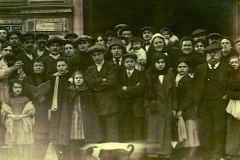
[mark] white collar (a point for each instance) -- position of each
(114, 59)
(96, 152)
(215, 66)
(101, 64)
(54, 56)
(131, 71)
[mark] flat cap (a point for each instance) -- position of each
(215, 35)
(82, 38)
(27, 36)
(213, 47)
(96, 48)
(124, 29)
(130, 55)
(116, 42)
(12, 33)
(55, 39)
(71, 34)
(147, 28)
(237, 40)
(198, 31)
(119, 26)
(41, 35)
(109, 33)
(68, 42)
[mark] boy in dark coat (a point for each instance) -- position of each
(102, 78)
(130, 93)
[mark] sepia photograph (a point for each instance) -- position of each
(120, 80)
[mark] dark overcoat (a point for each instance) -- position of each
(28, 63)
(161, 100)
(104, 91)
(50, 65)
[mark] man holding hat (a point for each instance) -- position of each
(13, 39)
(50, 62)
(130, 94)
(147, 36)
(27, 57)
(41, 51)
(82, 60)
(214, 38)
(71, 37)
(199, 34)
(102, 79)
(210, 101)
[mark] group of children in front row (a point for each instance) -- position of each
(74, 117)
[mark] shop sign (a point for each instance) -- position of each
(51, 24)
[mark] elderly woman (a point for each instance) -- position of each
(161, 106)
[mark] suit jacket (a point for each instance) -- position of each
(45, 53)
(50, 65)
(103, 91)
(200, 80)
(133, 94)
(28, 63)
(120, 68)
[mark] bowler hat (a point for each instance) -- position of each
(12, 33)
(147, 28)
(119, 26)
(214, 35)
(27, 36)
(55, 39)
(83, 38)
(96, 48)
(212, 48)
(197, 32)
(130, 55)
(41, 35)
(71, 34)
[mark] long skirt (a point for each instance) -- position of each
(192, 134)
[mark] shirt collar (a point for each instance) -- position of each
(114, 59)
(54, 56)
(131, 71)
(215, 66)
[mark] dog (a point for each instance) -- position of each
(110, 154)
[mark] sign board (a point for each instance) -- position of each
(13, 27)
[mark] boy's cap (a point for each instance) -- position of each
(96, 48)
(71, 34)
(119, 26)
(148, 28)
(218, 35)
(55, 39)
(129, 55)
(110, 33)
(12, 33)
(197, 32)
(212, 48)
(83, 38)
(27, 36)
(42, 35)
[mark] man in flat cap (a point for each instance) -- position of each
(102, 79)
(210, 101)
(147, 36)
(41, 50)
(13, 39)
(27, 56)
(54, 45)
(126, 32)
(71, 37)
(214, 38)
(82, 60)
(69, 49)
(118, 27)
(199, 34)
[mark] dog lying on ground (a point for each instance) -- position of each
(108, 154)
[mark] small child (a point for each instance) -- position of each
(17, 113)
(84, 124)
(140, 52)
(234, 62)
(169, 37)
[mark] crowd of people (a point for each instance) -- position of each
(114, 87)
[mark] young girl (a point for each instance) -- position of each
(184, 85)
(161, 101)
(84, 124)
(17, 114)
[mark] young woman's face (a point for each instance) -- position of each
(160, 64)
(78, 79)
(100, 41)
(38, 67)
(17, 89)
(158, 44)
(183, 68)
(199, 47)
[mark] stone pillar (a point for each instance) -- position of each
(78, 17)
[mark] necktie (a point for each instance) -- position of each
(212, 66)
(129, 74)
(147, 43)
(117, 62)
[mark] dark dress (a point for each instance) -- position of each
(233, 124)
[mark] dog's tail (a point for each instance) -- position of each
(132, 148)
